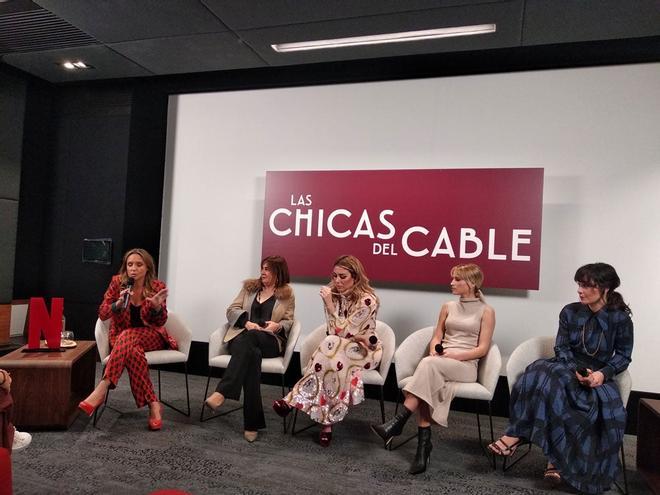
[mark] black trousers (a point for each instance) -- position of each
(244, 371)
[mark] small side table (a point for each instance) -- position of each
(47, 387)
(648, 440)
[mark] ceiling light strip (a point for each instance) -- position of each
(377, 39)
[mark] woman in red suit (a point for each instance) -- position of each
(135, 301)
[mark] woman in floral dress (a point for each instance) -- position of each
(332, 378)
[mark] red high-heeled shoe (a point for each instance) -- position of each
(87, 407)
(155, 424)
(281, 408)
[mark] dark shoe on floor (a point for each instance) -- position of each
(281, 408)
(552, 476)
(423, 454)
(325, 437)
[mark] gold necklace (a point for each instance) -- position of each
(584, 345)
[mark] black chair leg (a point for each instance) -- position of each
(623, 490)
(481, 441)
(202, 419)
(382, 403)
(284, 425)
(97, 414)
(206, 392)
(160, 396)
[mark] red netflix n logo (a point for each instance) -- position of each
(40, 320)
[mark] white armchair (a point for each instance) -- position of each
(544, 348)
(219, 357)
(415, 347)
(369, 377)
(177, 329)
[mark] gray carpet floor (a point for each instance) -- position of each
(120, 456)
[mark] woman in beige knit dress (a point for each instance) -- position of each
(464, 332)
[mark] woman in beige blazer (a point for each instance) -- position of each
(260, 319)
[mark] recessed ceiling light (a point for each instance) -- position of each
(428, 34)
(77, 65)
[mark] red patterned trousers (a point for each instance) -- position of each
(128, 352)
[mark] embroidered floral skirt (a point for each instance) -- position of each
(332, 379)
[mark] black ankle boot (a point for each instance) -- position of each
(424, 448)
(392, 428)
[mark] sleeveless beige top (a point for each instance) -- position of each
(463, 323)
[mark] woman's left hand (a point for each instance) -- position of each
(271, 327)
(593, 379)
(363, 341)
(456, 354)
(157, 299)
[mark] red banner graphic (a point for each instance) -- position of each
(408, 226)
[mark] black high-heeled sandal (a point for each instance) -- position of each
(508, 450)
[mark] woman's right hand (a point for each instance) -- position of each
(119, 303)
(326, 295)
(252, 326)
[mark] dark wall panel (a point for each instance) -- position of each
(8, 216)
(146, 170)
(35, 186)
(12, 110)
(79, 193)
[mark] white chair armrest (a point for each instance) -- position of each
(489, 368)
(310, 344)
(526, 353)
(102, 337)
(291, 342)
(216, 346)
(177, 329)
(388, 341)
(410, 352)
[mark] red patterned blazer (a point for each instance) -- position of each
(122, 320)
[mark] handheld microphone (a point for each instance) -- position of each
(439, 349)
(373, 340)
(127, 295)
(583, 372)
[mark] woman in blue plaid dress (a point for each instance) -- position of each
(578, 421)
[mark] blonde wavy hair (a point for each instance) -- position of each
(472, 274)
(360, 280)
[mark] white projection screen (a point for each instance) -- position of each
(594, 131)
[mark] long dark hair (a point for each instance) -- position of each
(603, 276)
